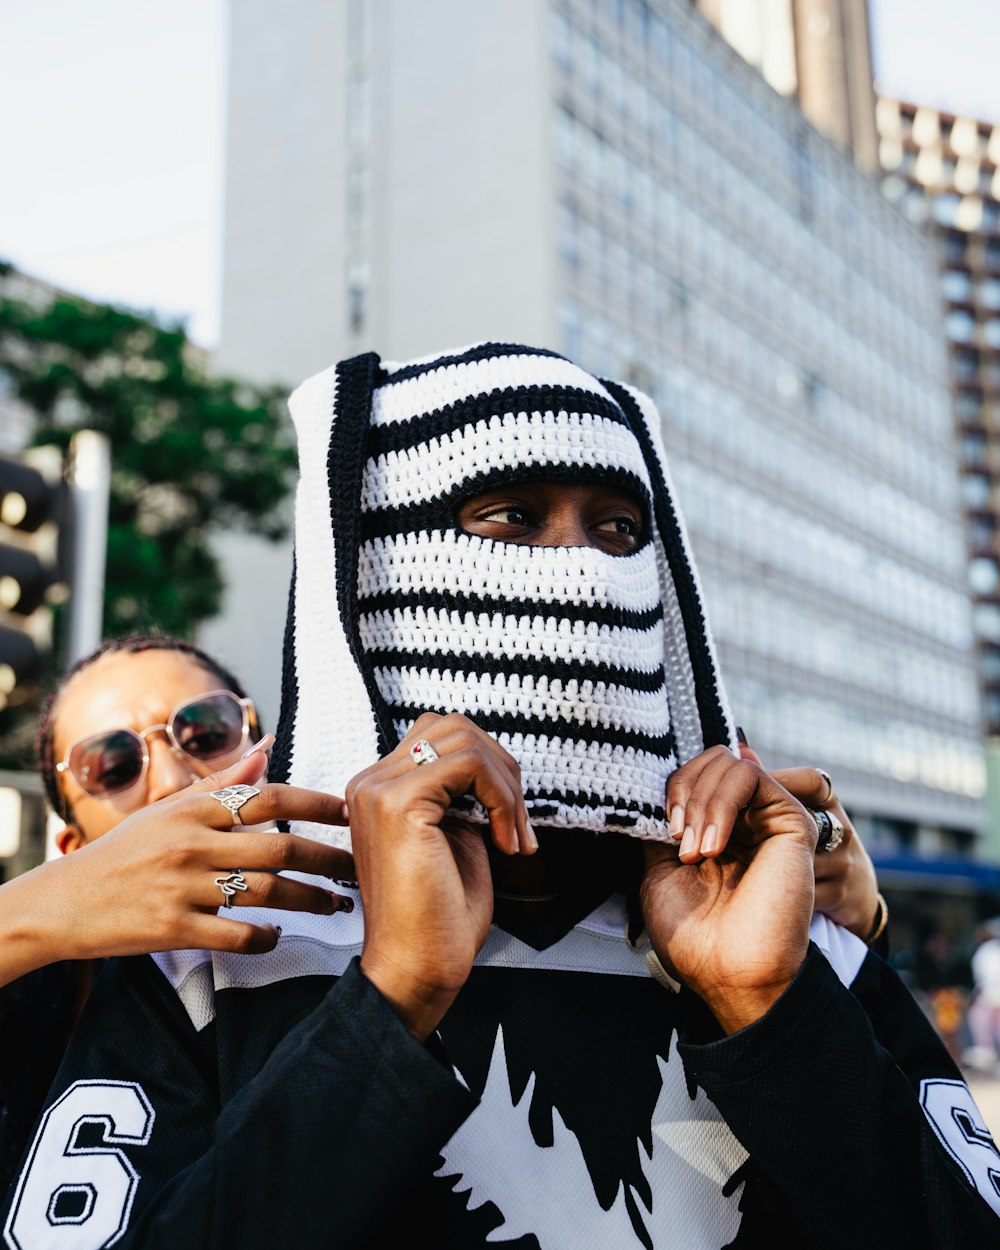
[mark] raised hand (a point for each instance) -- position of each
(424, 876)
(150, 883)
(728, 910)
(846, 883)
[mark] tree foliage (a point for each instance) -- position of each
(191, 452)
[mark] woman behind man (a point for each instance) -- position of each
(594, 1106)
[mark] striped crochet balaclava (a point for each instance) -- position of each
(596, 671)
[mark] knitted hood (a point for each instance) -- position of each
(596, 671)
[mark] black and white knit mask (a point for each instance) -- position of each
(595, 671)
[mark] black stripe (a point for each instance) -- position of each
(713, 719)
(544, 727)
(346, 454)
(439, 513)
(420, 429)
(541, 804)
(483, 351)
(523, 666)
(453, 601)
(618, 807)
(279, 766)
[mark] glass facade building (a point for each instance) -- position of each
(611, 179)
(943, 173)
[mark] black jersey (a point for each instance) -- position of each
(569, 1102)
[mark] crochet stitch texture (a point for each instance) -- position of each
(596, 671)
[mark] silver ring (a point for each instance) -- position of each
(830, 830)
(232, 798)
(829, 785)
(230, 884)
(422, 752)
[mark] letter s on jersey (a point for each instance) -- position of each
(79, 1197)
(960, 1128)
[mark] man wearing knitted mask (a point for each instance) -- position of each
(497, 650)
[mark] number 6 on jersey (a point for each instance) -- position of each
(77, 1194)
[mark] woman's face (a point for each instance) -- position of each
(133, 690)
(557, 514)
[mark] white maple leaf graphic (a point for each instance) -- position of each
(547, 1190)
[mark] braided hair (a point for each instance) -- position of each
(133, 644)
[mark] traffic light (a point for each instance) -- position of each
(33, 514)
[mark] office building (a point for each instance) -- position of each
(611, 179)
(943, 172)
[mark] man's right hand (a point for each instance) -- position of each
(425, 877)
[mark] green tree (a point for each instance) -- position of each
(191, 452)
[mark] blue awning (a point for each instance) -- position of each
(938, 872)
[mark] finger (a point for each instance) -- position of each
(454, 734)
(808, 785)
(713, 804)
(681, 785)
(274, 802)
(272, 851)
(748, 753)
(467, 735)
(470, 769)
(218, 933)
(269, 890)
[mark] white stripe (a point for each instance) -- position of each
(450, 561)
(329, 684)
(421, 631)
(615, 708)
(516, 443)
(414, 397)
(614, 775)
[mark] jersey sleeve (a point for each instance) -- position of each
(134, 1150)
(857, 1122)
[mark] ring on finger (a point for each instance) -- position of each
(422, 752)
(230, 883)
(232, 798)
(829, 786)
(829, 828)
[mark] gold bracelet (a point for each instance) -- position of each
(881, 920)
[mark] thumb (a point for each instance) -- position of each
(246, 771)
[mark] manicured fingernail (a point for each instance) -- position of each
(741, 736)
(676, 821)
(263, 746)
(688, 844)
(709, 840)
(341, 903)
(278, 927)
(531, 837)
(343, 813)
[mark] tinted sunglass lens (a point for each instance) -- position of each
(208, 728)
(108, 763)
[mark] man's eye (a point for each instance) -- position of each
(624, 525)
(506, 516)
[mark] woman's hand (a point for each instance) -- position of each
(728, 911)
(425, 877)
(150, 883)
(846, 884)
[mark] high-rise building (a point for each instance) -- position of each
(943, 171)
(817, 51)
(611, 179)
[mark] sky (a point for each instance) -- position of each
(112, 120)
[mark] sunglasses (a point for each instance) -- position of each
(204, 729)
